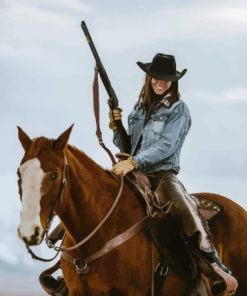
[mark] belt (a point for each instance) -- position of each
(160, 173)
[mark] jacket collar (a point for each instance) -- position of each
(164, 100)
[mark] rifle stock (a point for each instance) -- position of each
(113, 100)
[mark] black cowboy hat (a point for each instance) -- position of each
(163, 67)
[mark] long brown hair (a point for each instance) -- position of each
(147, 97)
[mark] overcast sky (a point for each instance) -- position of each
(46, 72)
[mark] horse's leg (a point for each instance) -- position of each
(174, 286)
(202, 286)
(73, 280)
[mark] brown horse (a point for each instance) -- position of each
(83, 200)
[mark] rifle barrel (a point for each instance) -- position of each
(104, 77)
(113, 100)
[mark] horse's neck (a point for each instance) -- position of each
(87, 197)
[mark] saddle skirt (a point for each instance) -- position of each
(207, 208)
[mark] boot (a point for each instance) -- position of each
(229, 284)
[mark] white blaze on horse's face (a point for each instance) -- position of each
(30, 228)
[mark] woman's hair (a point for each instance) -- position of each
(147, 96)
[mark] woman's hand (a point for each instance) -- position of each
(123, 167)
(114, 115)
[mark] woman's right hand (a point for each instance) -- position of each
(114, 115)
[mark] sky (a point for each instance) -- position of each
(46, 73)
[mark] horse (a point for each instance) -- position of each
(56, 178)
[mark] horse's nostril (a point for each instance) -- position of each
(36, 232)
(35, 237)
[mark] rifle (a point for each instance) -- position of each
(113, 100)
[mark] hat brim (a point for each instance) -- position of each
(145, 67)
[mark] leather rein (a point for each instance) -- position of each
(81, 265)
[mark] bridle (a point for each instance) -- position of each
(81, 265)
(51, 214)
(60, 197)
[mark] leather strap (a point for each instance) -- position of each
(96, 108)
(46, 274)
(91, 234)
(111, 244)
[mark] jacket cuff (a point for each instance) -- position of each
(139, 161)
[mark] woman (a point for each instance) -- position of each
(158, 126)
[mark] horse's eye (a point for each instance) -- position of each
(53, 176)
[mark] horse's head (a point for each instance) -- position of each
(41, 178)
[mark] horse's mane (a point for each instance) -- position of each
(91, 164)
(107, 175)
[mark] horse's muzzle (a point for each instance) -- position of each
(33, 239)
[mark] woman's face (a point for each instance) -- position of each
(160, 86)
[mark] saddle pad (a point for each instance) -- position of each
(207, 208)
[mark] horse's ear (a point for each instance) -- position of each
(24, 139)
(62, 140)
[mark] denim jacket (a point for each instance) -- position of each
(161, 137)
